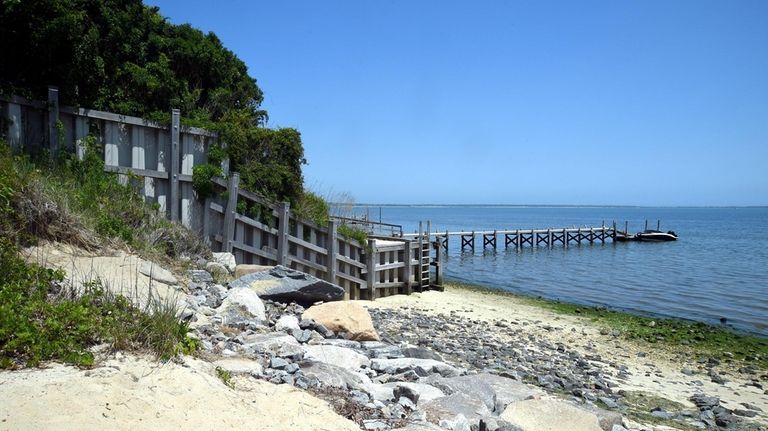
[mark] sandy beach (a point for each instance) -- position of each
(651, 369)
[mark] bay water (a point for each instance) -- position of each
(716, 272)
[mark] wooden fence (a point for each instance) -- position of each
(160, 159)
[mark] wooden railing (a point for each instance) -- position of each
(163, 156)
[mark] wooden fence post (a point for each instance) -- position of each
(175, 163)
(333, 248)
(283, 210)
(15, 137)
(371, 267)
(233, 188)
(53, 119)
(408, 269)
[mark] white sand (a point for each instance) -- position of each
(586, 339)
(134, 393)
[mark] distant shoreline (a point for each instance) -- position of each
(368, 205)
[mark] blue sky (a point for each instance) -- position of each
(511, 102)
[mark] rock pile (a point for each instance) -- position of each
(415, 372)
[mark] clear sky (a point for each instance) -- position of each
(512, 102)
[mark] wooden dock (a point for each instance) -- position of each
(519, 238)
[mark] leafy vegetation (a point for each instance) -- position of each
(75, 201)
(40, 320)
(359, 235)
(123, 56)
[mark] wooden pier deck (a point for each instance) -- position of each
(519, 238)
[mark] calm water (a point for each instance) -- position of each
(718, 267)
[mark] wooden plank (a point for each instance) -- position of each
(109, 116)
(349, 261)
(307, 245)
(407, 268)
(253, 250)
(308, 263)
(352, 278)
(253, 197)
(147, 173)
(388, 284)
(255, 223)
(388, 266)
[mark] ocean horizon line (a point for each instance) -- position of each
(478, 205)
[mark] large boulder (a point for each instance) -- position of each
(333, 376)
(448, 407)
(157, 273)
(338, 356)
(242, 303)
(497, 392)
(549, 414)
(246, 268)
(348, 317)
(286, 285)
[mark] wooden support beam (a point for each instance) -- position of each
(370, 260)
(332, 245)
(229, 216)
(53, 120)
(175, 166)
(408, 269)
(283, 215)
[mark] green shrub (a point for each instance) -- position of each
(357, 234)
(312, 207)
(40, 320)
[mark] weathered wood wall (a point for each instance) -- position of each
(158, 160)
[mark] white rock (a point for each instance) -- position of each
(287, 323)
(547, 414)
(338, 356)
(226, 259)
(237, 365)
(459, 423)
(247, 299)
(157, 273)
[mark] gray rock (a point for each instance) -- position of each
(333, 376)
(420, 353)
(497, 392)
(157, 273)
(278, 363)
(199, 276)
(276, 344)
(446, 408)
(285, 285)
(216, 268)
(302, 335)
(339, 342)
(421, 366)
(406, 392)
